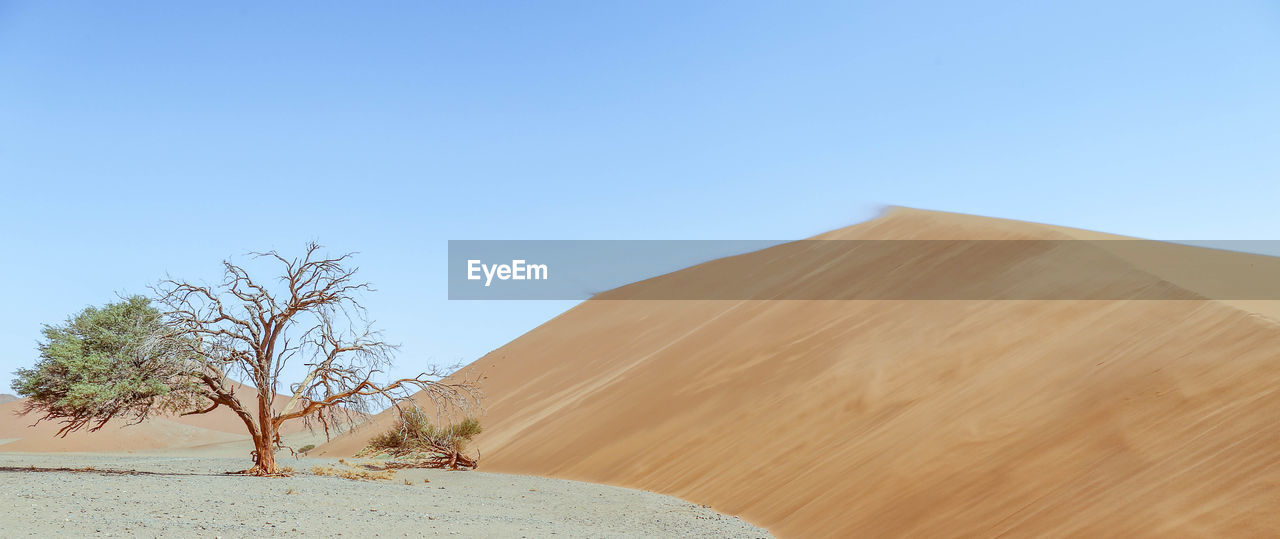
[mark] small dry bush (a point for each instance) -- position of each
(415, 438)
(353, 473)
(414, 432)
(306, 448)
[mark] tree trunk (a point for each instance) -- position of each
(264, 456)
(265, 442)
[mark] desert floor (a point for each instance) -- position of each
(193, 497)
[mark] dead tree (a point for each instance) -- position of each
(250, 330)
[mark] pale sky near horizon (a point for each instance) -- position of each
(147, 138)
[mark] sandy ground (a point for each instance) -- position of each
(192, 497)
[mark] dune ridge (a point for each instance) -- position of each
(894, 418)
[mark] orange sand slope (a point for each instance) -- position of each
(220, 426)
(919, 418)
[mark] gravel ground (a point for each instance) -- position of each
(192, 497)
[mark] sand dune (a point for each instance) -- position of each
(890, 417)
(213, 430)
(115, 437)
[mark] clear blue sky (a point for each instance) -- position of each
(141, 138)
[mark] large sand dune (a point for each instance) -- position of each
(922, 418)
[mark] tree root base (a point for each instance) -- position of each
(258, 472)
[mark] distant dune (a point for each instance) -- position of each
(201, 434)
(907, 418)
(5, 397)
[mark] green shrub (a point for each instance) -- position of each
(119, 360)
